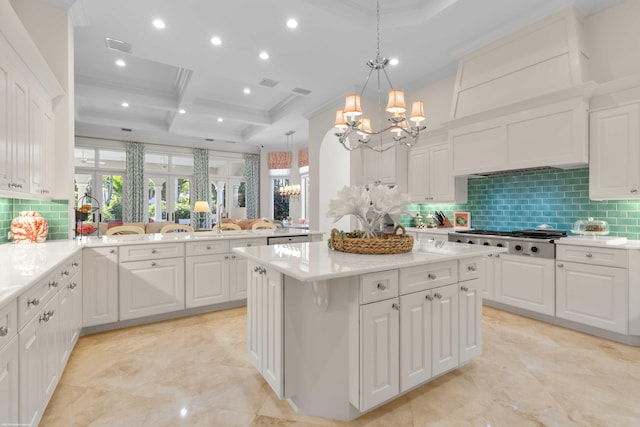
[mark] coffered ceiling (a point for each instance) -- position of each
(310, 68)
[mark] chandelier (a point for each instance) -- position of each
(350, 120)
(291, 191)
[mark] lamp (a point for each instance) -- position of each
(201, 207)
(350, 119)
(291, 191)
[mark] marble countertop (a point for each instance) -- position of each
(443, 231)
(600, 241)
(309, 262)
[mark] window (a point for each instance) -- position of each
(228, 186)
(169, 178)
(280, 203)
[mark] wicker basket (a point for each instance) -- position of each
(388, 243)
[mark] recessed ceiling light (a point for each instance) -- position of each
(159, 24)
(292, 23)
(216, 41)
(182, 111)
(125, 104)
(121, 63)
(263, 55)
(220, 119)
(393, 61)
(246, 91)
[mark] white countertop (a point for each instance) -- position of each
(600, 241)
(309, 262)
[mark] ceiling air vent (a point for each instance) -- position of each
(268, 83)
(118, 45)
(125, 129)
(301, 91)
(209, 139)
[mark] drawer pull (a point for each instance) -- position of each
(437, 295)
(153, 251)
(471, 267)
(560, 265)
(382, 286)
(73, 285)
(431, 276)
(208, 247)
(256, 269)
(395, 306)
(233, 257)
(248, 244)
(497, 255)
(33, 301)
(53, 284)
(3, 331)
(464, 289)
(490, 255)
(589, 255)
(74, 264)
(634, 190)
(226, 257)
(64, 273)
(153, 264)
(44, 317)
(429, 297)
(112, 251)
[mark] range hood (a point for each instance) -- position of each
(516, 171)
(521, 103)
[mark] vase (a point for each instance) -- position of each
(29, 227)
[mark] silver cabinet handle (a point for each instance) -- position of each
(112, 251)
(437, 295)
(589, 255)
(248, 244)
(226, 257)
(560, 265)
(429, 297)
(264, 271)
(53, 284)
(634, 190)
(73, 285)
(464, 289)
(65, 273)
(233, 257)
(431, 276)
(395, 306)
(153, 251)
(497, 255)
(490, 255)
(382, 286)
(256, 269)
(153, 264)
(471, 267)
(208, 247)
(74, 264)
(44, 317)
(33, 301)
(3, 331)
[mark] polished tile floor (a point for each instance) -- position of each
(194, 372)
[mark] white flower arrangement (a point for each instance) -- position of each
(369, 204)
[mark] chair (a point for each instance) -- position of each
(262, 225)
(124, 229)
(229, 226)
(177, 228)
(278, 223)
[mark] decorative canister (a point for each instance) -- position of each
(29, 227)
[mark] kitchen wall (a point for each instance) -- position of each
(56, 212)
(526, 200)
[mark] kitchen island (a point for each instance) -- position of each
(338, 334)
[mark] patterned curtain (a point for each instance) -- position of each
(134, 206)
(201, 185)
(280, 160)
(252, 196)
(303, 157)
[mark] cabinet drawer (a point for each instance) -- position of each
(8, 322)
(378, 286)
(428, 276)
(68, 268)
(241, 243)
(592, 255)
(30, 302)
(470, 268)
(154, 251)
(207, 247)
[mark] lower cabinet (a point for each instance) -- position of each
(151, 287)
(237, 277)
(265, 324)
(100, 280)
(70, 315)
(207, 279)
(9, 383)
(525, 282)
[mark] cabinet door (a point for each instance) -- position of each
(237, 278)
(526, 282)
(488, 276)
(19, 107)
(614, 169)
(415, 339)
(100, 281)
(445, 342)
(151, 287)
(592, 295)
(273, 331)
(37, 131)
(31, 373)
(418, 175)
(470, 319)
(70, 309)
(9, 387)
(440, 176)
(379, 167)
(5, 143)
(379, 352)
(51, 345)
(254, 315)
(207, 280)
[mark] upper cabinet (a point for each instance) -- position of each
(614, 171)
(387, 167)
(429, 174)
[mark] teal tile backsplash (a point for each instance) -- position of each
(526, 200)
(55, 211)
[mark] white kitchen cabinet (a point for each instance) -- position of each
(526, 282)
(207, 279)
(592, 287)
(237, 278)
(70, 315)
(9, 382)
(380, 359)
(429, 176)
(488, 281)
(100, 285)
(41, 137)
(415, 339)
(445, 345)
(470, 315)
(265, 324)
(389, 167)
(614, 169)
(152, 286)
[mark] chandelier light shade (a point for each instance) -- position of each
(350, 120)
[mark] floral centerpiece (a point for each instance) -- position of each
(370, 204)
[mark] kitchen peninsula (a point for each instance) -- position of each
(337, 334)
